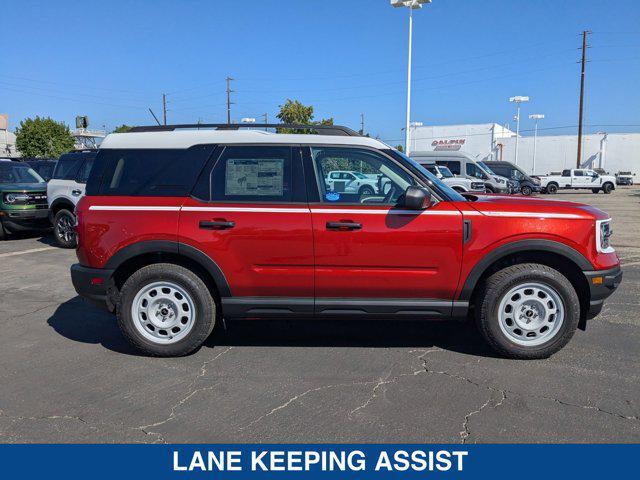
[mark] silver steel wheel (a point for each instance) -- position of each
(65, 228)
(531, 314)
(163, 312)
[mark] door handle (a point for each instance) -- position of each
(343, 226)
(216, 225)
(76, 192)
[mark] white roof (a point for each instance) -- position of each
(188, 138)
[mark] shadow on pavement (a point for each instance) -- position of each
(80, 321)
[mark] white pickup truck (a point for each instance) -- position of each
(578, 178)
(351, 181)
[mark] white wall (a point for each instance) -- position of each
(477, 138)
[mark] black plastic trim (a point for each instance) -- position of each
(81, 277)
(466, 231)
(521, 246)
(611, 281)
(243, 307)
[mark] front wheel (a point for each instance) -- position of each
(527, 311)
(165, 310)
(63, 229)
(607, 188)
(552, 188)
(366, 191)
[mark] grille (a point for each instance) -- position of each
(37, 198)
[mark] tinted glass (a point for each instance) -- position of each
(44, 169)
(566, 173)
(371, 178)
(253, 174)
(11, 172)
(578, 173)
(474, 171)
(148, 172)
(453, 165)
(68, 166)
(502, 170)
(85, 170)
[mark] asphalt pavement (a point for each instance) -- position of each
(67, 374)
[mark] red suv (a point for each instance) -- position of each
(181, 227)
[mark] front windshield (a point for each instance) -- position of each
(13, 173)
(431, 178)
(486, 168)
(446, 173)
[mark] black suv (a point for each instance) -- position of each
(528, 185)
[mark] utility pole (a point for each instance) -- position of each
(229, 100)
(584, 61)
(164, 108)
(362, 124)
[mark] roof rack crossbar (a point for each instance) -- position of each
(335, 130)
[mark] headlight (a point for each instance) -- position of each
(603, 235)
(500, 180)
(14, 198)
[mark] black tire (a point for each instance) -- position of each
(459, 189)
(499, 284)
(552, 188)
(595, 190)
(490, 189)
(526, 190)
(3, 235)
(366, 190)
(205, 309)
(607, 188)
(61, 222)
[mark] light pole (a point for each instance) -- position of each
(411, 5)
(518, 101)
(536, 117)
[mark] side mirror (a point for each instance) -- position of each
(417, 198)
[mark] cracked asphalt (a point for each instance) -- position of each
(67, 375)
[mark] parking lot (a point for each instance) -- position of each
(67, 374)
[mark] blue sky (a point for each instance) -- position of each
(112, 60)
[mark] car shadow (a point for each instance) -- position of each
(81, 322)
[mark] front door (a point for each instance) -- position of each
(249, 214)
(372, 256)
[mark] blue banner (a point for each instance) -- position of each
(334, 461)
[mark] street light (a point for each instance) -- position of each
(411, 5)
(536, 117)
(518, 101)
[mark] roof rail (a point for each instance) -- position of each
(336, 130)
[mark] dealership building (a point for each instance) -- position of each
(613, 152)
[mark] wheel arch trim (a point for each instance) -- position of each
(516, 247)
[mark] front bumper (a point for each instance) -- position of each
(602, 283)
(92, 283)
(25, 220)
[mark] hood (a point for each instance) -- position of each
(23, 187)
(528, 206)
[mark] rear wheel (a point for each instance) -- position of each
(552, 188)
(366, 190)
(165, 310)
(595, 190)
(527, 311)
(3, 235)
(64, 229)
(607, 187)
(526, 190)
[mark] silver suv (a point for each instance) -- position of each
(64, 191)
(462, 165)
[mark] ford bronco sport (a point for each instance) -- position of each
(182, 227)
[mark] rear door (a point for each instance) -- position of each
(249, 214)
(579, 179)
(372, 256)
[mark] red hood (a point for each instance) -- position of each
(535, 205)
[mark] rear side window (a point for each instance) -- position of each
(68, 166)
(453, 165)
(85, 169)
(147, 172)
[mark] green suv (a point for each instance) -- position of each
(23, 199)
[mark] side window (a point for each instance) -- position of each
(501, 170)
(149, 172)
(253, 174)
(578, 173)
(67, 167)
(85, 170)
(453, 165)
(372, 178)
(566, 173)
(474, 171)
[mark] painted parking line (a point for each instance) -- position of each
(25, 252)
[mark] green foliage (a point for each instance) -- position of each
(294, 111)
(400, 148)
(43, 137)
(124, 128)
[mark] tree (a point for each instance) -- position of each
(294, 111)
(124, 128)
(43, 137)
(400, 148)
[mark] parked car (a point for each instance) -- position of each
(44, 167)
(459, 184)
(624, 178)
(353, 181)
(578, 178)
(180, 228)
(526, 184)
(23, 200)
(64, 190)
(462, 165)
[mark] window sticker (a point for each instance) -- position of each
(332, 196)
(264, 177)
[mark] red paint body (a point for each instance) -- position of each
(291, 253)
